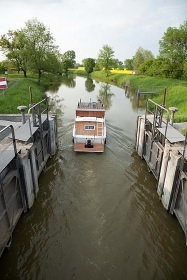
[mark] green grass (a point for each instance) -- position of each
(18, 90)
(18, 94)
(176, 90)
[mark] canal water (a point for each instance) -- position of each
(97, 216)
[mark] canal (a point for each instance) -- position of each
(97, 216)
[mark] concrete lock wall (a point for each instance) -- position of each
(140, 135)
(53, 134)
(167, 160)
(19, 182)
(27, 178)
(168, 180)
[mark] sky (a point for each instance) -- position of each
(84, 26)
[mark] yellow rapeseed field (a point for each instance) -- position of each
(115, 71)
(125, 71)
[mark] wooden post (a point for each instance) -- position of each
(30, 92)
(164, 98)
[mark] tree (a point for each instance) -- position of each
(40, 46)
(145, 66)
(105, 58)
(173, 48)
(2, 68)
(128, 64)
(89, 64)
(141, 56)
(155, 67)
(116, 63)
(68, 60)
(13, 46)
(185, 70)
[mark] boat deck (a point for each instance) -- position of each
(80, 147)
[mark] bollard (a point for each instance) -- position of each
(173, 110)
(22, 109)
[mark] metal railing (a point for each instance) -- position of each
(13, 137)
(159, 120)
(34, 116)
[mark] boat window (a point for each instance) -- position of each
(89, 127)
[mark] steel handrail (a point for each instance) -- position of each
(37, 105)
(13, 136)
(153, 113)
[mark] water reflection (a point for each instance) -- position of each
(105, 95)
(89, 85)
(69, 81)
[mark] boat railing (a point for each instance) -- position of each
(90, 105)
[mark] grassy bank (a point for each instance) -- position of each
(176, 90)
(18, 91)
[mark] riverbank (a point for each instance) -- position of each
(176, 90)
(18, 92)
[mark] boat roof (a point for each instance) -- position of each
(91, 105)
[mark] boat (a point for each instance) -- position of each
(89, 131)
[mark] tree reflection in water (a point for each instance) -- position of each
(89, 85)
(69, 81)
(105, 95)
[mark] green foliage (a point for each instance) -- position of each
(2, 68)
(140, 57)
(146, 65)
(176, 90)
(68, 60)
(39, 46)
(173, 49)
(117, 64)
(89, 64)
(13, 46)
(18, 94)
(128, 64)
(31, 48)
(185, 70)
(105, 58)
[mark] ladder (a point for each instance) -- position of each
(100, 129)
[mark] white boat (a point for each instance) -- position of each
(89, 131)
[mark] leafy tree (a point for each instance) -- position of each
(185, 70)
(145, 66)
(2, 68)
(40, 46)
(155, 67)
(68, 60)
(141, 56)
(173, 48)
(89, 64)
(116, 63)
(128, 64)
(105, 58)
(52, 64)
(13, 46)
